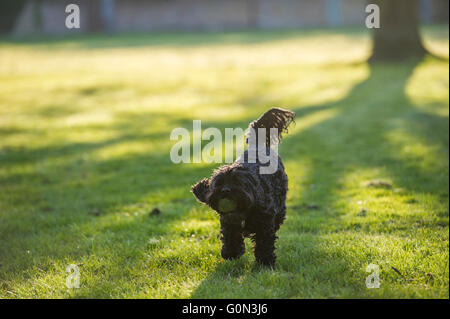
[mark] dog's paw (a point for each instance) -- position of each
(268, 261)
(230, 254)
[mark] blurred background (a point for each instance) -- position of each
(47, 16)
(85, 122)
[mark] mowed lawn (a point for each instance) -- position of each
(85, 127)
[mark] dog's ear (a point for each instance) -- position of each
(200, 189)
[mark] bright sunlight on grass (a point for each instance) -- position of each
(84, 158)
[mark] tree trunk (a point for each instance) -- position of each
(398, 37)
(253, 14)
(37, 15)
(9, 12)
(94, 23)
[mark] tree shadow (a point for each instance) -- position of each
(371, 112)
(173, 39)
(69, 189)
(72, 198)
(92, 189)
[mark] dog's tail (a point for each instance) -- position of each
(277, 118)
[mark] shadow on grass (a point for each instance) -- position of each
(90, 189)
(71, 198)
(174, 40)
(357, 137)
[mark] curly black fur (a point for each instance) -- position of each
(274, 118)
(260, 198)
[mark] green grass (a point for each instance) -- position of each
(84, 158)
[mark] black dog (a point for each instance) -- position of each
(250, 204)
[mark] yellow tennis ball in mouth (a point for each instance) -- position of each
(226, 205)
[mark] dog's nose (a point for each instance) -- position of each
(226, 191)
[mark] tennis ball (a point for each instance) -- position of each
(226, 205)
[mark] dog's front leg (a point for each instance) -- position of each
(264, 241)
(232, 238)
